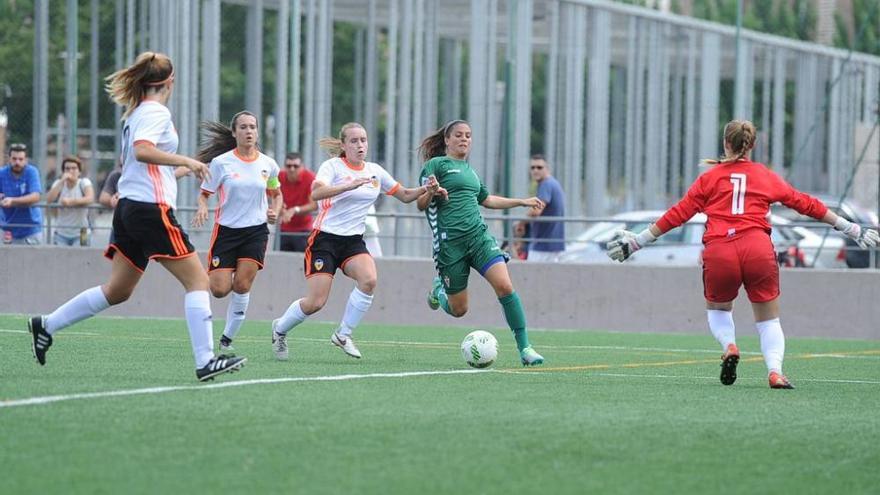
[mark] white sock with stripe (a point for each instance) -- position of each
(197, 306)
(84, 305)
(358, 305)
(235, 313)
(291, 318)
(722, 327)
(772, 343)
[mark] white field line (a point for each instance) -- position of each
(685, 377)
(31, 401)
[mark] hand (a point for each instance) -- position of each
(432, 186)
(199, 218)
(865, 238)
(627, 243)
(443, 193)
(6, 202)
(271, 216)
(114, 200)
(535, 203)
(199, 169)
(65, 201)
(356, 183)
(286, 214)
(67, 176)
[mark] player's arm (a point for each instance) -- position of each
(323, 191)
(865, 238)
(501, 203)
(147, 152)
(409, 194)
(202, 212)
(626, 243)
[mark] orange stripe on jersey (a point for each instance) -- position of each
(325, 207)
(308, 252)
(173, 232)
(221, 196)
(393, 189)
(156, 179)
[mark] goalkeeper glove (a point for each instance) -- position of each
(865, 238)
(627, 243)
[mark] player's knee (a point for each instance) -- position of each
(368, 285)
(117, 295)
(313, 305)
(504, 289)
(219, 292)
(242, 286)
(458, 311)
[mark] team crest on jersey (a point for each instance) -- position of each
(375, 181)
(446, 281)
(319, 263)
(215, 261)
(265, 174)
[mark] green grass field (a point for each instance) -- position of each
(608, 413)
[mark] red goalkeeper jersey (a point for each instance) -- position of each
(736, 197)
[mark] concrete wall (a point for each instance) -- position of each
(623, 298)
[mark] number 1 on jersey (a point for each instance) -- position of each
(739, 193)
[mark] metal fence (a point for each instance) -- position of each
(400, 231)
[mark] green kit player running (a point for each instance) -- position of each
(461, 237)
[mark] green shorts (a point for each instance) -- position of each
(455, 258)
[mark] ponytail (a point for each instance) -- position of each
(435, 144)
(218, 138)
(150, 72)
(739, 136)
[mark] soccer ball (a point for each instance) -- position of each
(479, 349)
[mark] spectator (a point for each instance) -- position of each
(548, 237)
(296, 217)
(110, 192)
(20, 189)
(73, 193)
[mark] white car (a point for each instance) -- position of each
(683, 246)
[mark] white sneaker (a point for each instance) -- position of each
(279, 343)
(346, 344)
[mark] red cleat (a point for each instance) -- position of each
(728, 365)
(778, 380)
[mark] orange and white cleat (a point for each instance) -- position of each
(778, 380)
(728, 364)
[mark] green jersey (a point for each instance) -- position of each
(459, 216)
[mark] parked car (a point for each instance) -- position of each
(682, 246)
(849, 253)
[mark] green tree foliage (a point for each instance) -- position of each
(789, 18)
(866, 27)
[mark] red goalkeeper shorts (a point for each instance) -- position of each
(747, 259)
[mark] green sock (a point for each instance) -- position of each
(516, 319)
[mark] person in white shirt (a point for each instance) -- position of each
(144, 225)
(345, 188)
(244, 179)
(72, 192)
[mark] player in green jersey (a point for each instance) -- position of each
(461, 238)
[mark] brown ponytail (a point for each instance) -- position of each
(218, 138)
(332, 145)
(739, 136)
(435, 144)
(151, 71)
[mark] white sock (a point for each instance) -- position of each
(291, 318)
(197, 305)
(722, 327)
(772, 343)
(357, 306)
(235, 313)
(86, 304)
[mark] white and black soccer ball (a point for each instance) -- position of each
(479, 349)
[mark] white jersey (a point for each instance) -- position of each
(241, 187)
(346, 213)
(149, 123)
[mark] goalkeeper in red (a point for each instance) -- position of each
(736, 194)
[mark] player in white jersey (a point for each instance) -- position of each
(345, 187)
(144, 225)
(243, 179)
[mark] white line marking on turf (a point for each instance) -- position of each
(240, 383)
(9, 330)
(818, 380)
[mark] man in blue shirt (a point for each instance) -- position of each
(548, 237)
(19, 190)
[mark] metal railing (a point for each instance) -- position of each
(407, 233)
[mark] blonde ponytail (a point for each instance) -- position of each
(128, 87)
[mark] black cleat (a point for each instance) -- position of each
(728, 365)
(219, 365)
(41, 340)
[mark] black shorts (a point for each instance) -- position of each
(145, 231)
(229, 245)
(326, 252)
